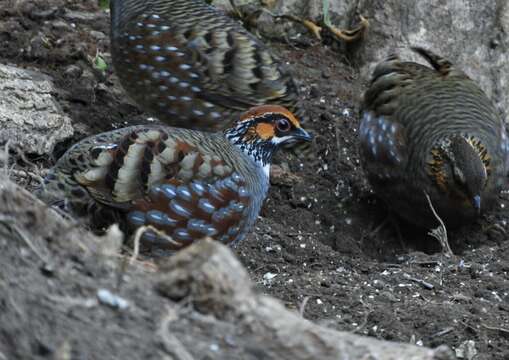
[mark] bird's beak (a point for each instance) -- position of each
(301, 134)
(476, 202)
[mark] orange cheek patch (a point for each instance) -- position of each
(265, 131)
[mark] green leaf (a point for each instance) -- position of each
(104, 4)
(99, 63)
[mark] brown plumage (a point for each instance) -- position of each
(191, 65)
(434, 131)
(185, 183)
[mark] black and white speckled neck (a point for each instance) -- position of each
(259, 150)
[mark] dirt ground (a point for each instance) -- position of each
(315, 246)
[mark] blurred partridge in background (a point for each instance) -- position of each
(432, 131)
(191, 65)
(183, 183)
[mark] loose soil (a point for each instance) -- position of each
(323, 243)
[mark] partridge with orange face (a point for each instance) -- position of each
(193, 66)
(184, 183)
(432, 131)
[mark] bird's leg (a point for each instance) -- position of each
(315, 29)
(338, 34)
(349, 35)
(308, 24)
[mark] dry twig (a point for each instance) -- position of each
(442, 332)
(421, 282)
(439, 233)
(137, 238)
(499, 329)
(70, 302)
(302, 306)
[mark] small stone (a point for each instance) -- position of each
(475, 271)
(82, 16)
(98, 35)
(61, 25)
(44, 14)
(378, 284)
(48, 269)
(269, 276)
(314, 92)
(108, 298)
(73, 71)
(326, 73)
(466, 350)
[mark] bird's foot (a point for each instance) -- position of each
(350, 35)
(339, 35)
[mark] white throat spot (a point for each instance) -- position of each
(266, 170)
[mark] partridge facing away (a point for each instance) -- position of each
(191, 65)
(184, 183)
(432, 131)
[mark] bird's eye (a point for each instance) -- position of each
(283, 125)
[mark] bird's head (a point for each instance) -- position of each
(460, 166)
(262, 130)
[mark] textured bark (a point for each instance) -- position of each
(30, 118)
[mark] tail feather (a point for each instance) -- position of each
(440, 64)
